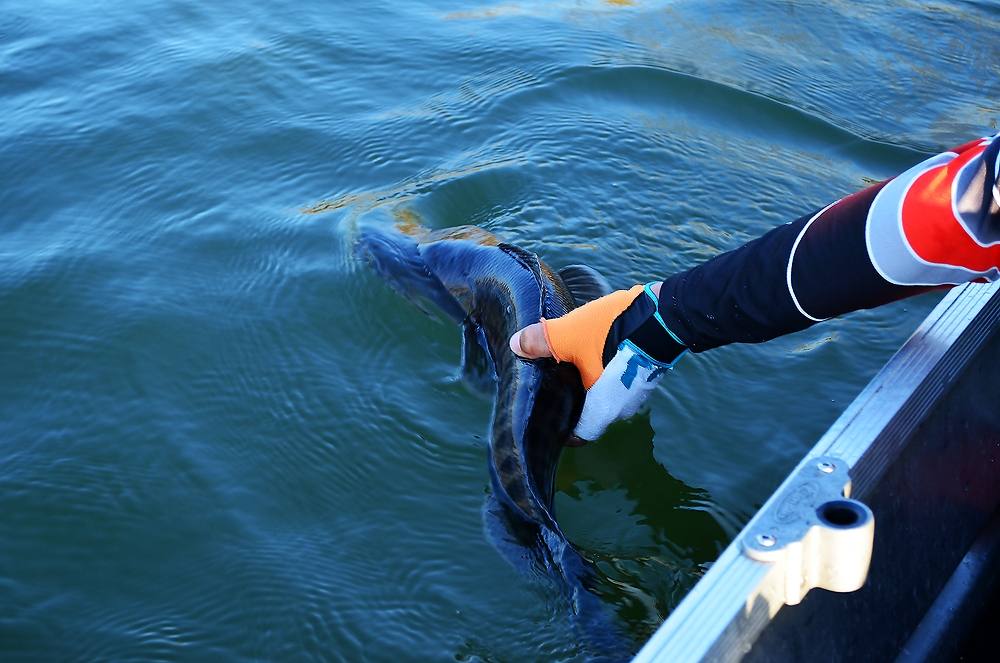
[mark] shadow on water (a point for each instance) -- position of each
(650, 535)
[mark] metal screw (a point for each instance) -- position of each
(766, 540)
(825, 467)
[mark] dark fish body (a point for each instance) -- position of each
(502, 289)
(494, 289)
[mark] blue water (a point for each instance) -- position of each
(223, 438)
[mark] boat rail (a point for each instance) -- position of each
(889, 503)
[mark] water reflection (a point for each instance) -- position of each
(650, 534)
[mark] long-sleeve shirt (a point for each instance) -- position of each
(936, 224)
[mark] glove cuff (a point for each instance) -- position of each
(656, 342)
(642, 324)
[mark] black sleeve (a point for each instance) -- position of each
(859, 252)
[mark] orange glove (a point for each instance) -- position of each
(579, 336)
(618, 321)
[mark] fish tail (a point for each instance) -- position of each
(601, 636)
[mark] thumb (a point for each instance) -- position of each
(530, 342)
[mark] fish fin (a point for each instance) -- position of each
(500, 531)
(526, 258)
(585, 283)
(531, 262)
(539, 551)
(477, 367)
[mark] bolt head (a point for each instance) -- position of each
(826, 467)
(766, 540)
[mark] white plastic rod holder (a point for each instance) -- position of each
(814, 531)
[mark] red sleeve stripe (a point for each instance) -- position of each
(932, 225)
(914, 231)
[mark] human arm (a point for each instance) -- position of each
(934, 225)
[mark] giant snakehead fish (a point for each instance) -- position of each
(493, 289)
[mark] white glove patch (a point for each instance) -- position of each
(623, 387)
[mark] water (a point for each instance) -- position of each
(222, 438)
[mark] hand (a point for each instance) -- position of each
(624, 325)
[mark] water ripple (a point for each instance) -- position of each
(224, 437)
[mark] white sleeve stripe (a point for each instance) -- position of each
(791, 257)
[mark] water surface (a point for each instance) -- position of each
(223, 438)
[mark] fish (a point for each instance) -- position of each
(493, 288)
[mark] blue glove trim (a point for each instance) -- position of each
(640, 358)
(648, 289)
